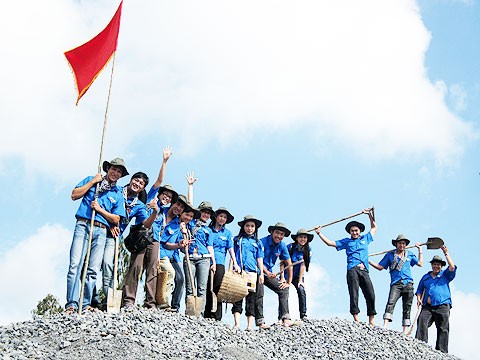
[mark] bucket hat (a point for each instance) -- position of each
(302, 232)
(279, 226)
(168, 187)
(400, 237)
(224, 210)
(115, 162)
(438, 258)
(354, 223)
(206, 205)
(257, 222)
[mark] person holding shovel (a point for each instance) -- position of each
(399, 262)
(434, 296)
(249, 255)
(99, 193)
(222, 243)
(356, 247)
(300, 250)
(274, 248)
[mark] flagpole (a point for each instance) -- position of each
(92, 220)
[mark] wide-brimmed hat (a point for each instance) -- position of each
(438, 258)
(183, 200)
(302, 232)
(196, 212)
(354, 223)
(224, 210)
(115, 162)
(279, 226)
(257, 222)
(168, 187)
(400, 237)
(206, 205)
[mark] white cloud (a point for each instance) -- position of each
(223, 71)
(32, 269)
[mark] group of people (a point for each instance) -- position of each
(176, 227)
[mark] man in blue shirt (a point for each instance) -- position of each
(356, 247)
(399, 262)
(433, 294)
(275, 248)
(99, 193)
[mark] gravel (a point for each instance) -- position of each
(149, 334)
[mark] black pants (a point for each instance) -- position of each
(217, 281)
(302, 298)
(179, 284)
(397, 291)
(274, 285)
(440, 315)
(358, 278)
(253, 304)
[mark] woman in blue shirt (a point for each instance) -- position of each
(249, 255)
(300, 250)
(222, 242)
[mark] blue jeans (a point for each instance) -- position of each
(397, 290)
(302, 298)
(179, 283)
(78, 251)
(200, 270)
(107, 265)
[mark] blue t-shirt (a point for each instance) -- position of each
(171, 234)
(200, 240)
(357, 250)
(297, 255)
(273, 251)
(437, 288)
(161, 220)
(222, 241)
(405, 274)
(110, 200)
(251, 250)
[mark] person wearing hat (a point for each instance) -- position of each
(249, 256)
(274, 248)
(356, 247)
(222, 243)
(134, 196)
(170, 240)
(300, 250)
(434, 296)
(399, 262)
(102, 195)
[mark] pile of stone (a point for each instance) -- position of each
(147, 334)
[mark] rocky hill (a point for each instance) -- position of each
(147, 334)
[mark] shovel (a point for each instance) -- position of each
(433, 243)
(114, 296)
(194, 304)
(214, 296)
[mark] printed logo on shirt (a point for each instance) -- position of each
(170, 231)
(223, 237)
(112, 200)
(277, 254)
(363, 242)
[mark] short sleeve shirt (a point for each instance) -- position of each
(247, 251)
(273, 251)
(297, 255)
(222, 241)
(437, 288)
(357, 250)
(404, 274)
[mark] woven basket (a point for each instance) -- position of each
(233, 287)
(161, 291)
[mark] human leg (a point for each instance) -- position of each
(77, 256)
(107, 266)
(150, 264)
(425, 320)
(179, 283)
(167, 266)
(202, 270)
(302, 298)
(393, 296)
(97, 249)
(369, 294)
(442, 323)
(353, 285)
(274, 285)
(407, 299)
(131, 279)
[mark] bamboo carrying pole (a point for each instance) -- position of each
(90, 235)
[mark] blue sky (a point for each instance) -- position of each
(298, 112)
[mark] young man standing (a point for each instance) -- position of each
(275, 248)
(356, 247)
(433, 294)
(99, 193)
(399, 262)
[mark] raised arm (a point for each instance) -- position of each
(451, 264)
(420, 254)
(373, 224)
(167, 152)
(324, 238)
(154, 212)
(190, 181)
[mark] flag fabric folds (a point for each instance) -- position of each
(89, 59)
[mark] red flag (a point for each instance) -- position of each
(89, 59)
